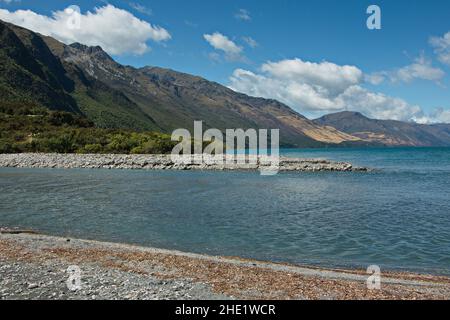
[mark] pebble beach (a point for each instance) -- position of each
(164, 162)
(34, 266)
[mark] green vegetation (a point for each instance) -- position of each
(31, 128)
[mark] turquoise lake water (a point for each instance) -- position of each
(397, 217)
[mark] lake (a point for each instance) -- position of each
(397, 217)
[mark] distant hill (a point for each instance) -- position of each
(86, 80)
(388, 132)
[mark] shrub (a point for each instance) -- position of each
(34, 129)
(91, 148)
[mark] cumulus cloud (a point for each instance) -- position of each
(376, 78)
(243, 15)
(441, 47)
(221, 42)
(318, 88)
(329, 77)
(420, 69)
(378, 105)
(439, 115)
(116, 30)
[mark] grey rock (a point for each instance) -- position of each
(164, 162)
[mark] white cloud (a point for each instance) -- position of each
(376, 78)
(326, 77)
(421, 69)
(220, 42)
(243, 14)
(378, 105)
(252, 43)
(442, 47)
(116, 30)
(318, 88)
(141, 8)
(440, 115)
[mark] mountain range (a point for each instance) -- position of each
(86, 80)
(388, 132)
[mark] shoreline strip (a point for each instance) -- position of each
(222, 277)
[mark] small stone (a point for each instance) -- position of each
(33, 286)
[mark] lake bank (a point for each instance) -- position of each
(34, 266)
(163, 162)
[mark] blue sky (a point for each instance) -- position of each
(399, 72)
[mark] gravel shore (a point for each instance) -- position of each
(34, 266)
(161, 162)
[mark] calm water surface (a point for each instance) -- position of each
(397, 217)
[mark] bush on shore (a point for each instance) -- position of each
(25, 128)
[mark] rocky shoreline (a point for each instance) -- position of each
(34, 266)
(164, 162)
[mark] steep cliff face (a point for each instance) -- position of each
(32, 73)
